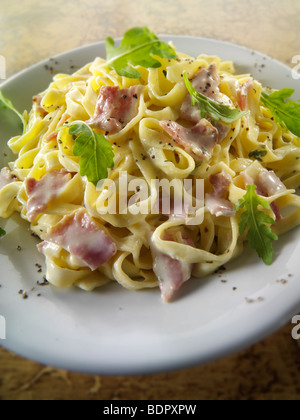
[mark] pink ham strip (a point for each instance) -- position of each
(170, 272)
(220, 182)
(216, 203)
(268, 184)
(206, 81)
(115, 108)
(219, 206)
(37, 99)
(64, 118)
(43, 192)
(78, 234)
(6, 177)
(199, 141)
(243, 92)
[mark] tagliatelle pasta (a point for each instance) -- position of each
(159, 136)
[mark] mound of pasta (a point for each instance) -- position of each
(179, 118)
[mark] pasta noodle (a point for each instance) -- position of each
(144, 150)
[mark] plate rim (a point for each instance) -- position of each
(118, 40)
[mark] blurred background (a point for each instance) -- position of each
(40, 29)
(33, 30)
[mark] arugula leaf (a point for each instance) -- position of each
(286, 114)
(260, 234)
(137, 49)
(95, 151)
(5, 103)
(2, 232)
(212, 108)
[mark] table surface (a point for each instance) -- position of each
(38, 30)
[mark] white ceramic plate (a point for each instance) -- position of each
(114, 331)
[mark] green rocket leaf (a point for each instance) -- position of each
(260, 234)
(95, 151)
(138, 48)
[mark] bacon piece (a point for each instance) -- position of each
(78, 234)
(268, 184)
(206, 81)
(243, 92)
(216, 203)
(43, 192)
(115, 107)
(64, 118)
(37, 99)
(223, 131)
(276, 211)
(219, 206)
(199, 141)
(220, 183)
(6, 177)
(171, 273)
